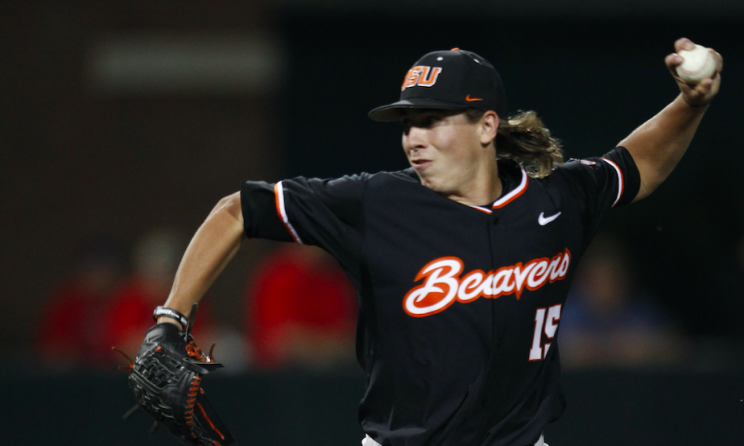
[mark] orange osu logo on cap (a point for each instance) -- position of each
(422, 76)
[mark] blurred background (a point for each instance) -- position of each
(123, 123)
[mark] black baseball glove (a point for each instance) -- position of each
(166, 377)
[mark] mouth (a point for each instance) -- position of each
(420, 163)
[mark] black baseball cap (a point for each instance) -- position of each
(454, 79)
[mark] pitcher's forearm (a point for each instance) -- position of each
(658, 145)
(210, 250)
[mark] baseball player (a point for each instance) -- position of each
(462, 262)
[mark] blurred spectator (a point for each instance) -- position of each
(301, 311)
(71, 319)
(128, 315)
(607, 321)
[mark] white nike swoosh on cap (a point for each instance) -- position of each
(545, 220)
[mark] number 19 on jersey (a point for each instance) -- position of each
(549, 325)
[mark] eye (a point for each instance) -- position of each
(422, 121)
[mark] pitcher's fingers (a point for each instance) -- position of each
(673, 60)
(719, 60)
(683, 44)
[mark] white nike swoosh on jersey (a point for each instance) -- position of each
(545, 220)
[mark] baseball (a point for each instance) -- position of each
(698, 64)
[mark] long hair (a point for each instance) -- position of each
(524, 139)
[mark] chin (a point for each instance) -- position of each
(432, 181)
(433, 184)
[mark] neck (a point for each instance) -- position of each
(485, 187)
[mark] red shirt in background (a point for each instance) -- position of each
(300, 308)
(69, 333)
(128, 315)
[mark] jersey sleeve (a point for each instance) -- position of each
(324, 213)
(600, 183)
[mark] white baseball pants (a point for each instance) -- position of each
(370, 442)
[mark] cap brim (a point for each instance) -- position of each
(394, 112)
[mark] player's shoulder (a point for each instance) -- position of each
(406, 175)
(566, 177)
(570, 177)
(613, 173)
(385, 185)
(382, 178)
(347, 187)
(574, 166)
(615, 159)
(352, 187)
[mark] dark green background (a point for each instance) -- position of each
(610, 408)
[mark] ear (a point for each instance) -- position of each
(488, 127)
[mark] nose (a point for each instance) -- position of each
(414, 138)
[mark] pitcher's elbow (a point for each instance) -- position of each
(230, 205)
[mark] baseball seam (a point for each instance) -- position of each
(699, 70)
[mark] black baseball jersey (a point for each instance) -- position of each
(459, 305)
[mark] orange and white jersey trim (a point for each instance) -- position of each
(511, 196)
(282, 211)
(482, 209)
(620, 184)
(508, 198)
